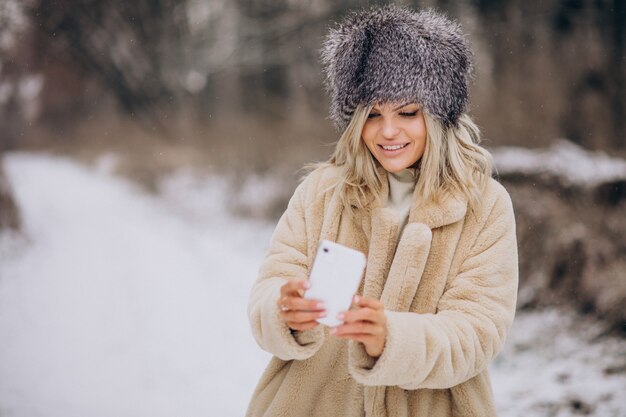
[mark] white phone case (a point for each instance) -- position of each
(334, 278)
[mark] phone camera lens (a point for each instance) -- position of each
(326, 250)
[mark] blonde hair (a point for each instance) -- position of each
(453, 161)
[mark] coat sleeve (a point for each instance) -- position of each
(442, 350)
(286, 259)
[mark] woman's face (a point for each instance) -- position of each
(395, 134)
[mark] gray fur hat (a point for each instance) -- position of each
(393, 54)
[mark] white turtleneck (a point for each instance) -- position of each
(401, 187)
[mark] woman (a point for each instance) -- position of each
(410, 187)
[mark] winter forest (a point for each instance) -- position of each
(148, 148)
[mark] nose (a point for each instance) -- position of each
(390, 128)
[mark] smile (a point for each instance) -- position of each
(393, 147)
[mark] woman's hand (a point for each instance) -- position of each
(366, 324)
(299, 313)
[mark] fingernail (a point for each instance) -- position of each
(356, 298)
(340, 316)
(333, 330)
(321, 315)
(320, 306)
(307, 284)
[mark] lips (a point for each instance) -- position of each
(393, 147)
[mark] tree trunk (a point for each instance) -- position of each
(9, 215)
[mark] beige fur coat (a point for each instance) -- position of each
(449, 290)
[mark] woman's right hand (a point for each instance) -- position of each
(299, 313)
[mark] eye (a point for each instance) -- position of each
(409, 114)
(372, 115)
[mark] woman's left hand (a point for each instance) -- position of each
(366, 324)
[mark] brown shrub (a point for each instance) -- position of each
(572, 244)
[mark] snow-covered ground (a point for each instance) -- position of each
(569, 162)
(120, 303)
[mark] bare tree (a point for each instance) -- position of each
(9, 215)
(133, 49)
(556, 64)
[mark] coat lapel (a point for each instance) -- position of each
(451, 209)
(407, 267)
(393, 274)
(383, 235)
(332, 216)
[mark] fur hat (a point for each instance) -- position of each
(394, 54)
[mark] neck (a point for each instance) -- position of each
(401, 186)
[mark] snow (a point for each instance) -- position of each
(117, 305)
(553, 361)
(569, 162)
(122, 303)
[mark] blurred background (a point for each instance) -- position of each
(148, 147)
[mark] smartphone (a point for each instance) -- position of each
(335, 276)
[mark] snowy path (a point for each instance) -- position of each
(120, 307)
(125, 304)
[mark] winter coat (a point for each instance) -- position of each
(449, 288)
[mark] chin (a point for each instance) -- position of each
(394, 168)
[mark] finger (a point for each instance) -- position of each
(360, 327)
(303, 326)
(362, 314)
(363, 301)
(294, 287)
(300, 316)
(363, 338)
(297, 303)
